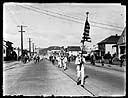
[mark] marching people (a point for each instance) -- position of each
(80, 69)
(102, 60)
(93, 58)
(37, 58)
(77, 62)
(53, 59)
(65, 62)
(61, 61)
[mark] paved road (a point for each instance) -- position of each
(103, 81)
(42, 78)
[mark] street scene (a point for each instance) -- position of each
(64, 49)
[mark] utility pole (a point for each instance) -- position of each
(30, 46)
(33, 48)
(21, 26)
(18, 53)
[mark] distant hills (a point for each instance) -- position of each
(43, 51)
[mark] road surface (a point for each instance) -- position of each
(102, 81)
(39, 79)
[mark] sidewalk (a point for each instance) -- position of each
(12, 64)
(45, 79)
(110, 66)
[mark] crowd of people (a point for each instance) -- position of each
(106, 58)
(61, 62)
(26, 58)
(60, 59)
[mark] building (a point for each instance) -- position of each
(8, 50)
(53, 50)
(105, 46)
(4, 49)
(121, 44)
(73, 50)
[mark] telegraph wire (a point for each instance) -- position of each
(65, 18)
(77, 18)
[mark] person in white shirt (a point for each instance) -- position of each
(59, 61)
(65, 62)
(77, 62)
(80, 69)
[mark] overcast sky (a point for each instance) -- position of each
(61, 24)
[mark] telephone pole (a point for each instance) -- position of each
(33, 48)
(21, 26)
(30, 46)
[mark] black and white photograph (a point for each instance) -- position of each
(64, 49)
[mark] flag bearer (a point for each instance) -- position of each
(77, 62)
(80, 69)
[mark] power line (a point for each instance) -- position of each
(50, 14)
(66, 18)
(81, 19)
(77, 18)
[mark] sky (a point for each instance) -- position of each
(61, 24)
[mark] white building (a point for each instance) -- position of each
(121, 44)
(73, 50)
(106, 45)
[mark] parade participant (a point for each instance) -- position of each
(58, 61)
(53, 59)
(61, 59)
(80, 69)
(34, 58)
(65, 62)
(38, 58)
(77, 62)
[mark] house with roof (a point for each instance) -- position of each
(4, 49)
(53, 50)
(121, 44)
(73, 50)
(105, 46)
(7, 48)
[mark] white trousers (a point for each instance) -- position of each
(80, 73)
(64, 65)
(60, 63)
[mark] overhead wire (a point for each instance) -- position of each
(77, 18)
(65, 18)
(81, 19)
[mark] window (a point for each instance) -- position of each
(122, 49)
